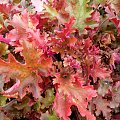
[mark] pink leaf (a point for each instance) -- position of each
(38, 4)
(5, 40)
(70, 93)
(113, 18)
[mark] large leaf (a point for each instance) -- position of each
(25, 74)
(80, 10)
(115, 95)
(102, 106)
(71, 92)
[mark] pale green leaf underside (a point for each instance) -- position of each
(80, 10)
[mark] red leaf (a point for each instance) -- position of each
(99, 71)
(6, 8)
(71, 93)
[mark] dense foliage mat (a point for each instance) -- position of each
(59, 59)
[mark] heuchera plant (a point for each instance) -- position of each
(60, 59)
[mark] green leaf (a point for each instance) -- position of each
(48, 116)
(2, 100)
(99, 1)
(48, 100)
(53, 117)
(51, 10)
(3, 49)
(80, 10)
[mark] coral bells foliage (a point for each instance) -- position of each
(70, 92)
(59, 59)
